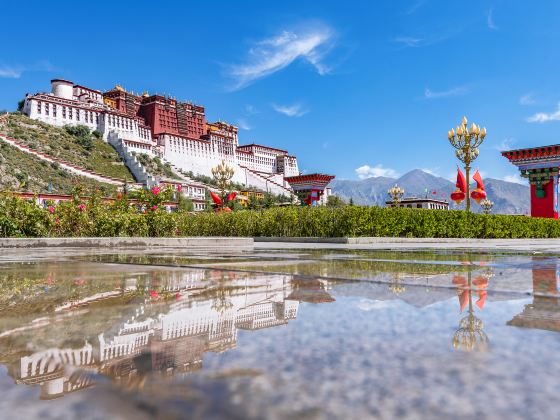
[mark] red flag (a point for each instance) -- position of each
(217, 200)
(478, 179)
(434, 192)
(461, 181)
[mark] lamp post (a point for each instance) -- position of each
(466, 141)
(486, 206)
(396, 193)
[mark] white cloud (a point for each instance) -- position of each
(515, 178)
(542, 117)
(505, 144)
(15, 72)
(243, 124)
(250, 109)
(367, 171)
(274, 54)
(490, 20)
(295, 110)
(456, 91)
(409, 41)
(415, 7)
(527, 99)
(10, 72)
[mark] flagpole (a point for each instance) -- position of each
(467, 175)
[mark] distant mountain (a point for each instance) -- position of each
(508, 197)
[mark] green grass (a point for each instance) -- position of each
(58, 143)
(17, 167)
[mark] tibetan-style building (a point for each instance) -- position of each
(540, 165)
(156, 125)
(312, 188)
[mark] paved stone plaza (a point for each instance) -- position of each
(281, 330)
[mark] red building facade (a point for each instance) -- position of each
(540, 165)
(162, 114)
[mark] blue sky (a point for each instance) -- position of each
(351, 88)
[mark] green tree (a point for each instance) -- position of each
(335, 201)
(184, 203)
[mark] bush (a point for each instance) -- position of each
(92, 217)
(83, 135)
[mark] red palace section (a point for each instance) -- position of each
(540, 165)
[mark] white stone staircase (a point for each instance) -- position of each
(266, 184)
(131, 161)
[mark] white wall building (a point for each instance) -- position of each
(255, 165)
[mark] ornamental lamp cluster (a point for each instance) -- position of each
(487, 205)
(223, 174)
(396, 193)
(466, 141)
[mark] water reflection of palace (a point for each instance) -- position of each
(169, 333)
(544, 312)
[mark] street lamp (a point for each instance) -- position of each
(486, 206)
(466, 141)
(396, 193)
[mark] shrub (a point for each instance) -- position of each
(93, 217)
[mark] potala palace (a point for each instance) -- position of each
(175, 131)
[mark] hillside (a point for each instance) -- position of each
(57, 142)
(508, 197)
(17, 167)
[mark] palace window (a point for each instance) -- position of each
(54, 110)
(38, 107)
(70, 113)
(63, 112)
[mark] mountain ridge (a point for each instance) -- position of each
(508, 197)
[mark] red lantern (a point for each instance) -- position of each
(458, 196)
(217, 200)
(478, 195)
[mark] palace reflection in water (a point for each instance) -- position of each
(165, 328)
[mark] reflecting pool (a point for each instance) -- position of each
(279, 334)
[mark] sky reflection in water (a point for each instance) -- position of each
(316, 334)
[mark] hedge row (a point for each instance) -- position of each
(355, 221)
(20, 218)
